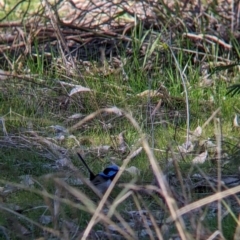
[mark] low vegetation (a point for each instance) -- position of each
(151, 86)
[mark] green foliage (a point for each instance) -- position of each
(15, 9)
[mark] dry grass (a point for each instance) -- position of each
(133, 58)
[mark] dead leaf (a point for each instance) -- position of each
(76, 116)
(201, 158)
(45, 220)
(149, 93)
(210, 144)
(236, 121)
(116, 110)
(78, 89)
(3, 74)
(197, 132)
(2, 120)
(186, 147)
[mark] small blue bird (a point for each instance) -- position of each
(103, 179)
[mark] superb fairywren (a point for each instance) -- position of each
(103, 179)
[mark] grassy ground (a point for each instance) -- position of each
(42, 180)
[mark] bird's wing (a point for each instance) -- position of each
(101, 182)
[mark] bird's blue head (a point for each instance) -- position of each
(111, 171)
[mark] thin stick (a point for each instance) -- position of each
(210, 119)
(218, 134)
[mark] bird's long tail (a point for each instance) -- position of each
(92, 175)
